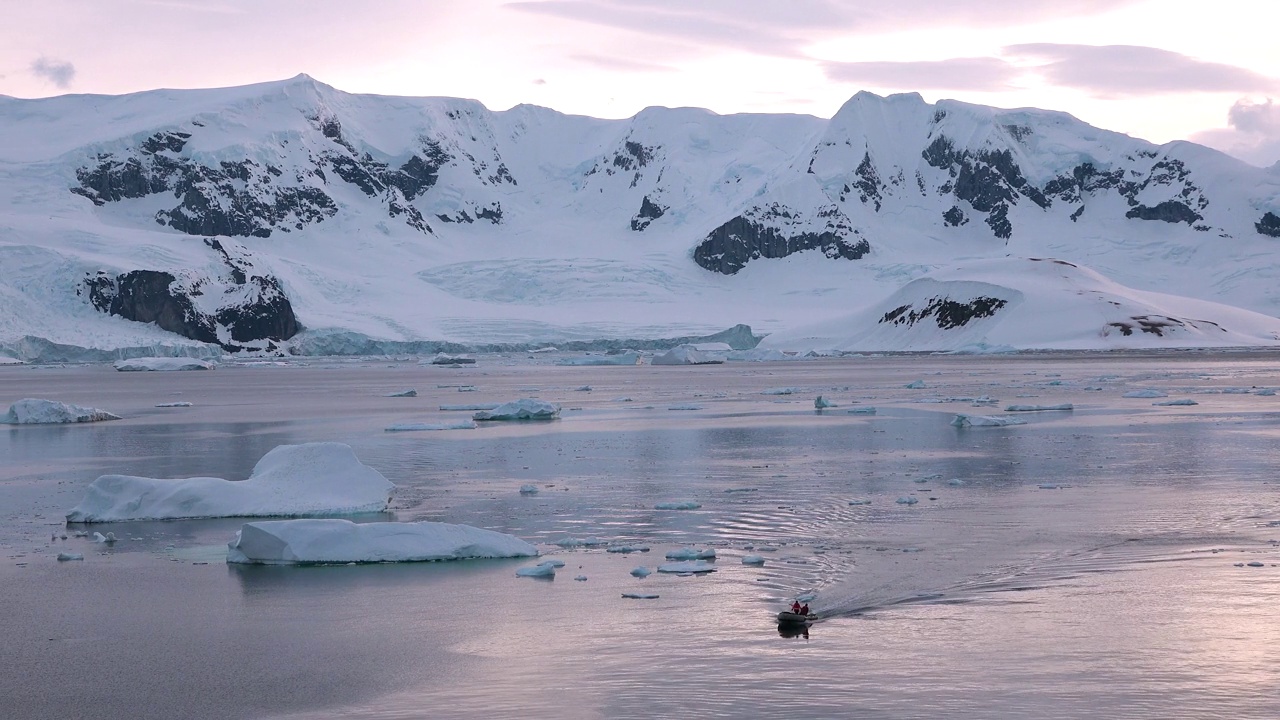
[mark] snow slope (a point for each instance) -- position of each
(291, 213)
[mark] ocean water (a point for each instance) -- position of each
(1088, 563)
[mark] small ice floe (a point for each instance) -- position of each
(1145, 393)
(587, 360)
(541, 570)
(780, 391)
(291, 480)
(528, 489)
(1180, 402)
(582, 388)
(915, 385)
(685, 505)
(33, 411)
(1266, 392)
(174, 404)
(572, 542)
(686, 355)
(641, 571)
(822, 403)
(753, 560)
(955, 482)
(162, 364)
(580, 578)
(985, 421)
(1038, 408)
(466, 388)
(860, 502)
(333, 541)
(622, 399)
(523, 409)
(627, 549)
(742, 490)
(1255, 563)
(422, 427)
(692, 554)
(1050, 486)
(640, 596)
(862, 411)
(411, 392)
(689, 566)
(65, 556)
(686, 406)
(471, 407)
(108, 539)
(446, 359)
(984, 400)
(907, 500)
(553, 562)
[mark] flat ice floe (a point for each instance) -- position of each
(545, 569)
(293, 542)
(523, 409)
(470, 407)
(689, 553)
(163, 364)
(289, 481)
(420, 427)
(690, 566)
(985, 421)
(33, 411)
(1038, 408)
(1145, 393)
(411, 392)
(683, 505)
(1179, 402)
(587, 360)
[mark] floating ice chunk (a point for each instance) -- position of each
(421, 427)
(106, 539)
(686, 355)
(859, 502)
(985, 400)
(1049, 486)
(330, 540)
(472, 407)
(985, 421)
(907, 500)
(640, 596)
(446, 359)
(915, 385)
(582, 388)
(1179, 402)
(1267, 392)
(1145, 393)
(690, 566)
(162, 364)
(780, 391)
(822, 403)
(289, 481)
(553, 562)
(411, 392)
(581, 578)
(64, 556)
(523, 409)
(641, 571)
(686, 406)
(627, 549)
(692, 554)
(753, 560)
(33, 411)
(861, 411)
(955, 482)
(623, 399)
(1038, 408)
(685, 505)
(572, 542)
(466, 388)
(586, 360)
(1255, 563)
(541, 570)
(174, 405)
(528, 489)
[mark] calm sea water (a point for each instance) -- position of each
(1114, 592)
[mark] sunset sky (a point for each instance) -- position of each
(1157, 69)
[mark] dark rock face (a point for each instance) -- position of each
(1170, 211)
(954, 217)
(868, 182)
(259, 310)
(1269, 225)
(731, 246)
(947, 313)
(989, 180)
(649, 211)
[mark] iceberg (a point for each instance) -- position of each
(692, 554)
(915, 385)
(641, 572)
(686, 355)
(411, 392)
(446, 359)
(907, 500)
(523, 409)
(685, 505)
(1145, 393)
(330, 540)
(985, 421)
(528, 489)
(686, 406)
(822, 403)
(33, 411)
(174, 404)
(690, 566)
(757, 355)
(541, 570)
(416, 427)
(586, 360)
(640, 596)
(753, 560)
(291, 480)
(1038, 408)
(65, 556)
(780, 391)
(627, 549)
(1172, 403)
(6, 360)
(162, 364)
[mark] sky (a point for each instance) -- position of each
(1161, 70)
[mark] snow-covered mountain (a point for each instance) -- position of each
(293, 213)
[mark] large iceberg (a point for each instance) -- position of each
(523, 409)
(32, 411)
(289, 481)
(686, 355)
(291, 542)
(160, 364)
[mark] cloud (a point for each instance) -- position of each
(620, 63)
(981, 73)
(1253, 134)
(539, 81)
(768, 27)
(1134, 70)
(58, 72)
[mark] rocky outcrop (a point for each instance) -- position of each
(1170, 211)
(649, 211)
(946, 313)
(1269, 225)
(250, 309)
(776, 232)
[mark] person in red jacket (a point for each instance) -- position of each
(795, 607)
(804, 610)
